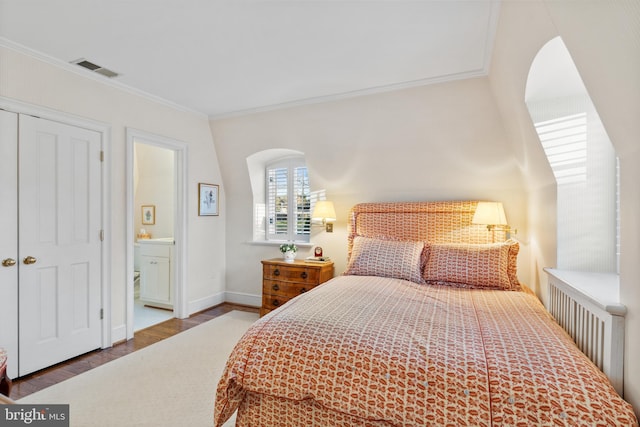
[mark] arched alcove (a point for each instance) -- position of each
(582, 158)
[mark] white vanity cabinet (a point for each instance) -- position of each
(156, 272)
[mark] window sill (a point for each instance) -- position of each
(602, 289)
(277, 244)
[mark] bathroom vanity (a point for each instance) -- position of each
(156, 272)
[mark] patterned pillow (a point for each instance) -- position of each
(386, 258)
(477, 266)
(512, 267)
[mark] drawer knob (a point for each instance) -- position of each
(304, 275)
(303, 290)
(275, 287)
(276, 272)
(276, 302)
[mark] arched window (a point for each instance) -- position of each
(582, 158)
(282, 200)
(288, 203)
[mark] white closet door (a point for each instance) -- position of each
(9, 238)
(60, 247)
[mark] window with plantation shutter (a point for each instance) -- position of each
(288, 202)
(564, 140)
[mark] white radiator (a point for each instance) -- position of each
(586, 305)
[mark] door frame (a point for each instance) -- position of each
(180, 150)
(104, 130)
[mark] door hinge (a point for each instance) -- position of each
(101, 156)
(102, 235)
(101, 313)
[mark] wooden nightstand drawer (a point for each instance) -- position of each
(292, 273)
(282, 281)
(271, 302)
(285, 289)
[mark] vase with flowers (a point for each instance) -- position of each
(289, 251)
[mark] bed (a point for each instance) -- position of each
(428, 326)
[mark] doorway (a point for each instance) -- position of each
(155, 224)
(154, 205)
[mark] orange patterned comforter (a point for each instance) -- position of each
(383, 351)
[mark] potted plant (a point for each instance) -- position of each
(288, 251)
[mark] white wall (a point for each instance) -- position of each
(40, 83)
(436, 142)
(603, 38)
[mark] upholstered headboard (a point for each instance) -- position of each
(435, 222)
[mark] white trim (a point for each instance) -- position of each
(297, 103)
(107, 226)
(119, 333)
(243, 299)
(104, 130)
(180, 309)
(83, 72)
(206, 303)
(354, 94)
(587, 306)
(480, 72)
(492, 27)
(277, 243)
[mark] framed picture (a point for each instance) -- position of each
(148, 214)
(207, 199)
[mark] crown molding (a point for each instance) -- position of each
(491, 23)
(480, 72)
(354, 94)
(82, 72)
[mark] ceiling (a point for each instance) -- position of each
(231, 57)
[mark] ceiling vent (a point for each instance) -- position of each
(95, 68)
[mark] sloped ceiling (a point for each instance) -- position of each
(222, 58)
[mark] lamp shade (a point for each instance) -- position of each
(489, 213)
(324, 211)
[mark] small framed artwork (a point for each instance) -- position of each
(148, 214)
(207, 199)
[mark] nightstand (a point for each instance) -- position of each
(282, 281)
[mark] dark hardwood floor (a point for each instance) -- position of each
(36, 381)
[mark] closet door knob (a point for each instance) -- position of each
(8, 262)
(29, 260)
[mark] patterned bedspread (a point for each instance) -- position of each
(391, 352)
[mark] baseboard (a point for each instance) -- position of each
(241, 298)
(205, 303)
(118, 334)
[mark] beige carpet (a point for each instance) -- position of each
(170, 383)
